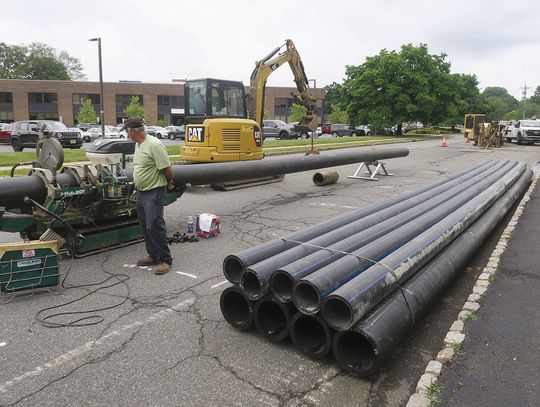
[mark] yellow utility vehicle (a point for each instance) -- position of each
(225, 125)
(471, 127)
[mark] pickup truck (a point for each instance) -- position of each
(523, 131)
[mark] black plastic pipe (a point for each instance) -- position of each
(236, 308)
(353, 300)
(347, 239)
(362, 348)
(310, 291)
(311, 335)
(235, 264)
(273, 318)
(13, 190)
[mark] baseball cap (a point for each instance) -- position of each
(133, 123)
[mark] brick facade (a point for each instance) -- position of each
(150, 91)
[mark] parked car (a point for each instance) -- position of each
(110, 132)
(85, 126)
(175, 132)
(345, 130)
(523, 131)
(326, 128)
(365, 129)
(157, 131)
(25, 134)
(5, 132)
(278, 129)
(305, 134)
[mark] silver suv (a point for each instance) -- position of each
(278, 129)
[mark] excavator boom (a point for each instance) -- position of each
(264, 69)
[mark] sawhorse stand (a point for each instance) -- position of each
(379, 169)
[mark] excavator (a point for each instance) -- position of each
(223, 124)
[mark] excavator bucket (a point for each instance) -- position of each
(308, 123)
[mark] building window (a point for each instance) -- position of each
(43, 106)
(6, 117)
(170, 100)
(43, 116)
(6, 97)
(42, 98)
(78, 98)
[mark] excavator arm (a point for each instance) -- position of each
(262, 71)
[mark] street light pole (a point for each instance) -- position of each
(101, 100)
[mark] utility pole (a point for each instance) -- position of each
(524, 89)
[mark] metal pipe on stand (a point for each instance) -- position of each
(353, 300)
(310, 291)
(14, 190)
(363, 347)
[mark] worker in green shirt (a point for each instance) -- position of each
(152, 176)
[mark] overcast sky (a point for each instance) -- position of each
(156, 41)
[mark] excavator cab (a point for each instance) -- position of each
(217, 125)
(210, 98)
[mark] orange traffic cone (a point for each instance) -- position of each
(444, 143)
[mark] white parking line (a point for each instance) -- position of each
(3, 344)
(218, 284)
(187, 274)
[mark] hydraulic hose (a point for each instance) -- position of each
(362, 348)
(348, 238)
(311, 335)
(273, 318)
(236, 308)
(353, 300)
(235, 264)
(310, 291)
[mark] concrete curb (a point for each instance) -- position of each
(455, 336)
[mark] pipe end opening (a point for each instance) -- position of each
(337, 313)
(355, 353)
(251, 285)
(310, 335)
(306, 297)
(271, 320)
(282, 286)
(232, 269)
(236, 309)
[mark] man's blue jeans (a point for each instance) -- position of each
(150, 213)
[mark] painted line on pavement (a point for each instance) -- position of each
(88, 346)
(218, 284)
(3, 344)
(187, 274)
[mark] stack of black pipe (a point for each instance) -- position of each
(355, 284)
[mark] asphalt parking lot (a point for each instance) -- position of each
(167, 343)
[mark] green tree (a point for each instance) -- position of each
(333, 97)
(337, 115)
(297, 112)
(502, 94)
(161, 123)
(395, 87)
(38, 61)
(87, 113)
(134, 108)
(536, 97)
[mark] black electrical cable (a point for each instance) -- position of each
(86, 320)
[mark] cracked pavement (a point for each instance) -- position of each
(168, 344)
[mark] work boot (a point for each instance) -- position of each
(162, 268)
(146, 261)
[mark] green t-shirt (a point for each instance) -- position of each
(150, 158)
